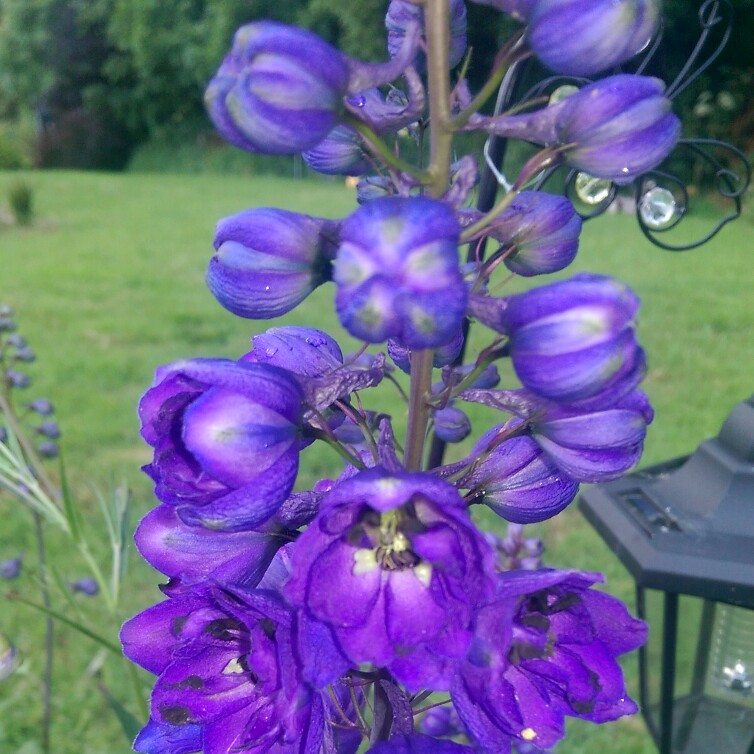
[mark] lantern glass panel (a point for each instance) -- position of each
(713, 688)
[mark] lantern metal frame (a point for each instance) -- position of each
(685, 527)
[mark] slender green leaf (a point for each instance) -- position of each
(128, 722)
(72, 513)
(84, 630)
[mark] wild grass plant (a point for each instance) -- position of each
(108, 285)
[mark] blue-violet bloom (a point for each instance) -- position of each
(394, 567)
(226, 662)
(226, 439)
(616, 128)
(544, 648)
(397, 273)
(573, 339)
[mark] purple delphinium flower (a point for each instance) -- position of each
(517, 551)
(10, 569)
(397, 273)
(544, 648)
(418, 744)
(88, 587)
(540, 230)
(394, 566)
(401, 13)
(601, 33)
(517, 480)
(267, 261)
(161, 738)
(226, 438)
(616, 128)
(573, 339)
(226, 661)
(594, 444)
(341, 152)
(593, 441)
(191, 554)
(279, 90)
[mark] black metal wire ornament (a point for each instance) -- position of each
(661, 198)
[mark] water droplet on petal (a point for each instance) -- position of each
(658, 208)
(592, 190)
(566, 90)
(358, 100)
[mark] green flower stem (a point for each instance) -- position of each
(510, 54)
(382, 150)
(44, 588)
(436, 23)
(349, 458)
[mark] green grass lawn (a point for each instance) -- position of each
(108, 284)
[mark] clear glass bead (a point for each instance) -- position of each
(658, 208)
(592, 190)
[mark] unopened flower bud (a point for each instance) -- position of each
(17, 379)
(48, 450)
(443, 355)
(87, 587)
(49, 429)
(16, 340)
(397, 273)
(519, 481)
(596, 444)
(341, 152)
(269, 260)
(8, 658)
(7, 324)
(573, 339)
(617, 128)
(372, 187)
(41, 406)
(25, 354)
(10, 569)
(303, 351)
(451, 424)
(279, 90)
(541, 229)
(601, 33)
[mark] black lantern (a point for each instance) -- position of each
(685, 531)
